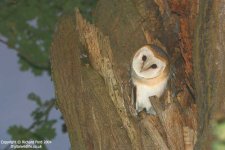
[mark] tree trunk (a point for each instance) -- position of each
(93, 93)
(209, 60)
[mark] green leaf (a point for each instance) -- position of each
(33, 97)
(20, 133)
(47, 131)
(219, 131)
(218, 145)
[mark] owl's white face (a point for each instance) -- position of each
(146, 64)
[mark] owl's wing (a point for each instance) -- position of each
(134, 88)
(134, 95)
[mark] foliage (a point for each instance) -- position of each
(42, 127)
(29, 26)
(219, 132)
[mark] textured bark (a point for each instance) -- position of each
(93, 93)
(209, 63)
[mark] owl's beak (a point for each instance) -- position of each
(146, 65)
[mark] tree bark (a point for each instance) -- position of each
(209, 63)
(93, 93)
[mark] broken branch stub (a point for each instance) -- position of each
(100, 54)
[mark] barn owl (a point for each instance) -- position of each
(149, 73)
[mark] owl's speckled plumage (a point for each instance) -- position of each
(150, 73)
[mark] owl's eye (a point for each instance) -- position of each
(144, 58)
(154, 66)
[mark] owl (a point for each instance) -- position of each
(149, 74)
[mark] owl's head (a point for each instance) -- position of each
(149, 61)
